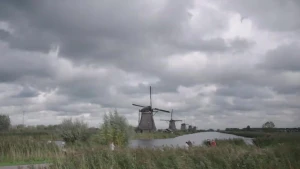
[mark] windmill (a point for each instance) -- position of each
(194, 129)
(183, 126)
(190, 128)
(146, 121)
(172, 125)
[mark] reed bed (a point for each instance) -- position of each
(279, 151)
(225, 157)
(26, 149)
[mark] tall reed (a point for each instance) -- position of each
(16, 148)
(225, 157)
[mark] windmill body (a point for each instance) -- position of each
(183, 126)
(172, 125)
(190, 128)
(146, 121)
(194, 129)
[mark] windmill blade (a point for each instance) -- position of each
(162, 110)
(138, 105)
(177, 120)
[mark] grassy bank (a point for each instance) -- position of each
(249, 134)
(263, 139)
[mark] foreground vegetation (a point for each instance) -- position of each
(224, 156)
(88, 150)
(276, 152)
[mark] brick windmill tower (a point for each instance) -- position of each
(172, 125)
(183, 126)
(190, 129)
(146, 121)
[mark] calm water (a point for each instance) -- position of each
(196, 138)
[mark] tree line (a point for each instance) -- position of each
(115, 128)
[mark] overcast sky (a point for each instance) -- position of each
(218, 64)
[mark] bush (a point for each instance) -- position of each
(114, 129)
(72, 131)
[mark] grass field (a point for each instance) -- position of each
(277, 151)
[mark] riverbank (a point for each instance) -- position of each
(277, 152)
(248, 134)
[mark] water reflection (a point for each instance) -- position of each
(196, 138)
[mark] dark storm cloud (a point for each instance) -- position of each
(283, 58)
(4, 35)
(224, 106)
(99, 25)
(27, 92)
(244, 91)
(241, 44)
(102, 35)
(15, 65)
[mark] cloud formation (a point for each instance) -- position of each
(215, 69)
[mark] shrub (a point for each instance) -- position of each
(72, 131)
(115, 128)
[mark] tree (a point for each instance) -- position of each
(72, 131)
(114, 129)
(248, 127)
(268, 125)
(4, 122)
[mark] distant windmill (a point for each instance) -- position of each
(172, 125)
(190, 128)
(183, 126)
(194, 129)
(146, 121)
